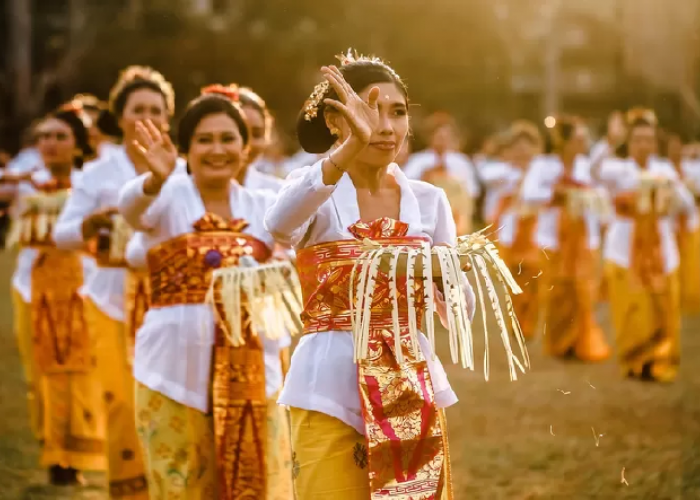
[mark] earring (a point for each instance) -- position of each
(335, 132)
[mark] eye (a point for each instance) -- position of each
(138, 109)
(156, 110)
(204, 139)
(61, 136)
(400, 112)
(229, 139)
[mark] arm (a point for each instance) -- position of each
(137, 203)
(290, 216)
(73, 227)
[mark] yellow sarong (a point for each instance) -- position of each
(647, 324)
(73, 417)
(127, 479)
(22, 313)
(179, 447)
(689, 247)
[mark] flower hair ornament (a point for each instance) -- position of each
(76, 108)
(230, 92)
(321, 90)
(644, 114)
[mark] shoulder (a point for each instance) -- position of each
(99, 168)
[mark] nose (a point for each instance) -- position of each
(384, 126)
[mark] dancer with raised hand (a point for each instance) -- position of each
(187, 368)
(641, 253)
(374, 429)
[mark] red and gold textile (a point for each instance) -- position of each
(405, 438)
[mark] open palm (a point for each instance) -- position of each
(155, 149)
(362, 117)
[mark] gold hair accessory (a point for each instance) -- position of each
(311, 108)
(320, 90)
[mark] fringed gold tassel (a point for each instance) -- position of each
(270, 294)
(119, 237)
(475, 249)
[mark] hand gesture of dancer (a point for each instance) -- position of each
(158, 154)
(361, 117)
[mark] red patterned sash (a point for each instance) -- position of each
(406, 440)
(181, 271)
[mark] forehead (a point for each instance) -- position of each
(218, 122)
(145, 96)
(643, 131)
(389, 93)
(253, 116)
(52, 125)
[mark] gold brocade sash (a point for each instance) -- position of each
(180, 273)
(647, 257)
(61, 342)
(406, 440)
(110, 245)
(574, 257)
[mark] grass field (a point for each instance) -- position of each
(563, 431)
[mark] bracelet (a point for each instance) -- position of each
(330, 159)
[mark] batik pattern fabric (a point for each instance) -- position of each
(180, 273)
(568, 288)
(73, 422)
(645, 301)
(404, 436)
(523, 260)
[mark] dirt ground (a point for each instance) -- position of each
(562, 431)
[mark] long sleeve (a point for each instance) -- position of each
(536, 189)
(288, 219)
(138, 208)
(68, 232)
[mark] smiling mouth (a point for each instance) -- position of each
(384, 146)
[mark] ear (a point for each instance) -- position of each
(333, 121)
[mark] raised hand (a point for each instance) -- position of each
(362, 117)
(156, 150)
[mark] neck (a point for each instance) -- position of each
(642, 161)
(133, 156)
(368, 177)
(62, 171)
(567, 159)
(241, 175)
(213, 192)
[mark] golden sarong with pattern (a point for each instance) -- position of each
(180, 273)
(60, 336)
(406, 441)
(137, 297)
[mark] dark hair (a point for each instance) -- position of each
(562, 132)
(205, 105)
(107, 124)
(623, 150)
(76, 122)
(136, 78)
(247, 97)
(312, 131)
